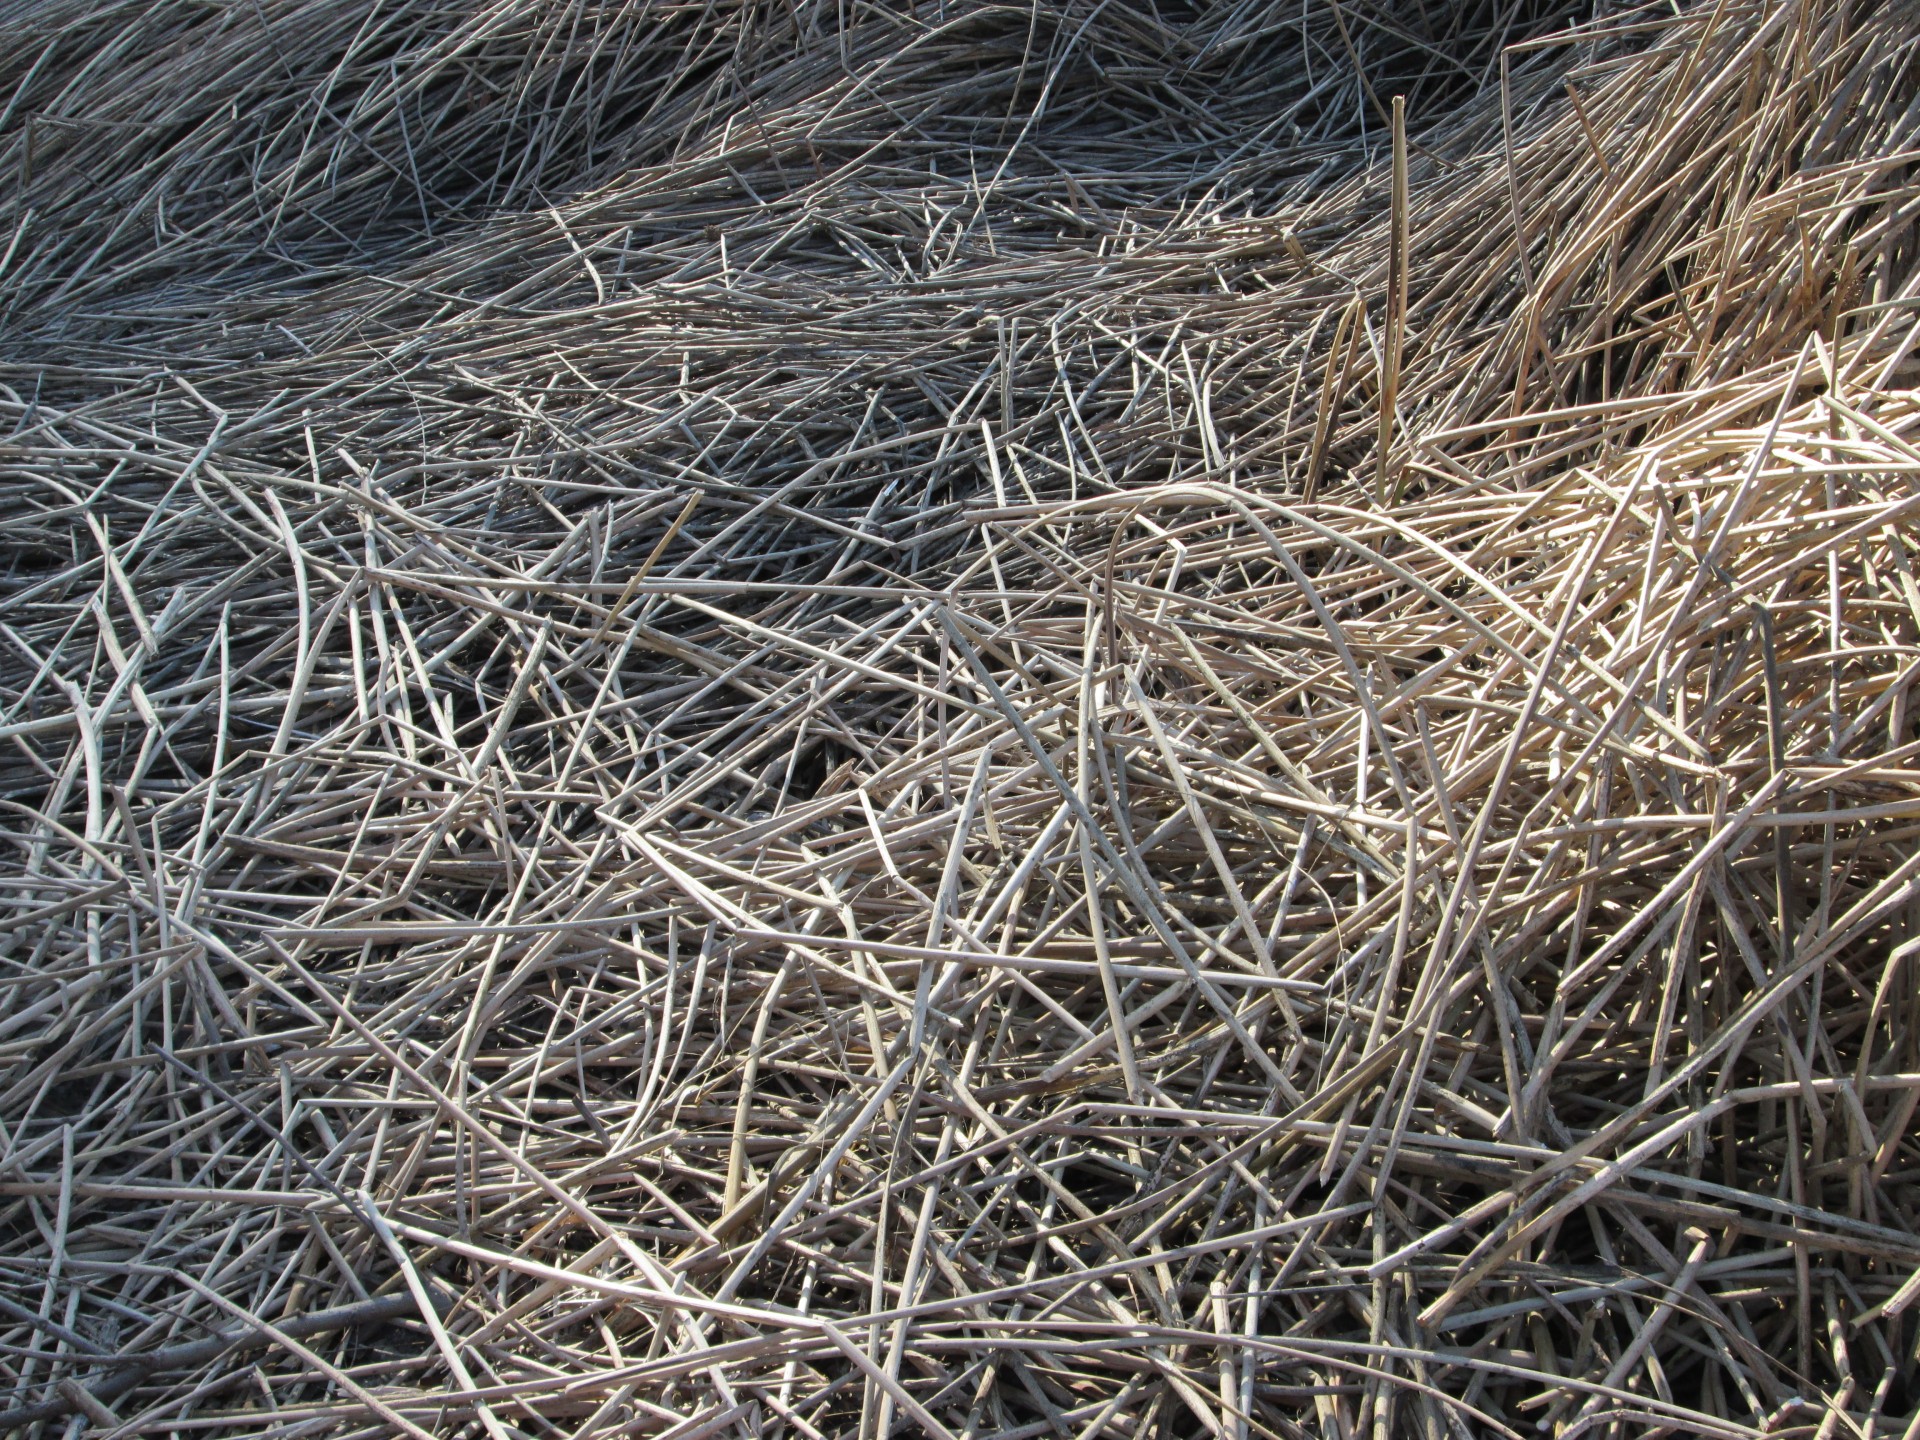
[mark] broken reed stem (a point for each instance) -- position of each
(1386, 481)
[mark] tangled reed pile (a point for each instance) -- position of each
(813, 720)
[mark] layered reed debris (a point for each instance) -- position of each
(721, 720)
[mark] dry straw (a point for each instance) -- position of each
(711, 724)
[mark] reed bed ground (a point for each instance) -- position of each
(1092, 718)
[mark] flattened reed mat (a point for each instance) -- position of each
(1099, 718)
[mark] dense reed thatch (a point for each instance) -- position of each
(813, 720)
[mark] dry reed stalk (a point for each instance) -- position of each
(711, 727)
